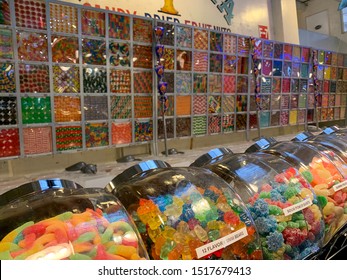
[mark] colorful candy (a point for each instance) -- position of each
(190, 222)
(283, 219)
(83, 236)
(330, 188)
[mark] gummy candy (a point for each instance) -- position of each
(192, 217)
(86, 235)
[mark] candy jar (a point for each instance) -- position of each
(282, 203)
(56, 219)
(326, 179)
(340, 164)
(186, 213)
(336, 142)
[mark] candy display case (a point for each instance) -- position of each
(328, 183)
(334, 142)
(58, 219)
(282, 203)
(185, 213)
(331, 154)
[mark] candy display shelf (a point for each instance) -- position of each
(76, 78)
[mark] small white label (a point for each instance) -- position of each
(297, 207)
(340, 186)
(221, 243)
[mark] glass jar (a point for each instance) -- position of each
(282, 203)
(185, 213)
(335, 142)
(340, 164)
(39, 220)
(327, 181)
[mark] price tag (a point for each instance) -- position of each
(221, 243)
(297, 207)
(340, 186)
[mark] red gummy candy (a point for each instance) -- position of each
(294, 236)
(101, 254)
(266, 188)
(231, 219)
(254, 198)
(303, 182)
(309, 216)
(315, 228)
(340, 197)
(37, 229)
(280, 178)
(290, 172)
(192, 223)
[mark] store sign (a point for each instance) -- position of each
(213, 14)
(263, 31)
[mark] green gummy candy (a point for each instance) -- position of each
(290, 192)
(5, 256)
(85, 237)
(65, 216)
(297, 216)
(280, 228)
(107, 235)
(78, 256)
(302, 224)
(265, 195)
(275, 210)
(293, 225)
(322, 200)
(307, 175)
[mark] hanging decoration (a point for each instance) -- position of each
(316, 83)
(256, 68)
(162, 85)
(159, 68)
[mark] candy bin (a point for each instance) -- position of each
(186, 213)
(324, 176)
(58, 220)
(336, 142)
(340, 164)
(282, 203)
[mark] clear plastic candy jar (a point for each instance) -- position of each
(335, 142)
(282, 203)
(326, 179)
(57, 219)
(340, 164)
(185, 213)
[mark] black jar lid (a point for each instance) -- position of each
(36, 186)
(135, 170)
(211, 156)
(261, 143)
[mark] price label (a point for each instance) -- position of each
(221, 243)
(297, 207)
(340, 186)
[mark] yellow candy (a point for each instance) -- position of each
(329, 209)
(13, 234)
(306, 193)
(316, 212)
